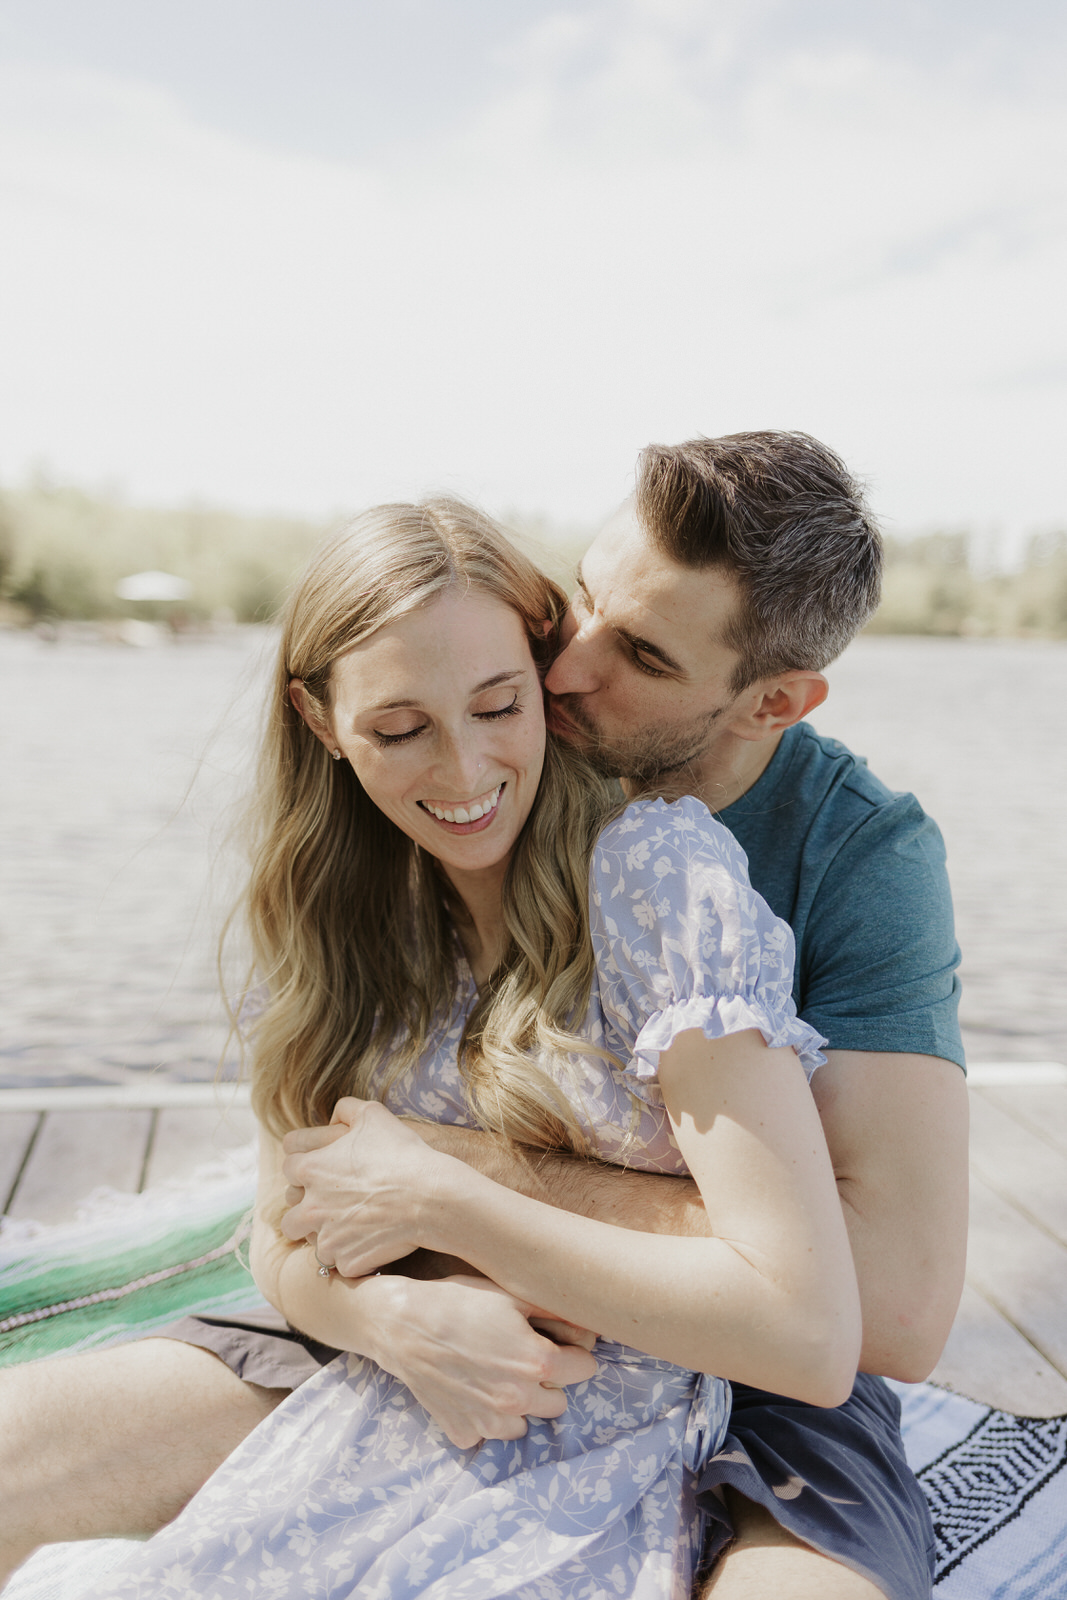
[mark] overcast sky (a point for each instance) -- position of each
(305, 254)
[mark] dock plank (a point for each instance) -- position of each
(988, 1359)
(1018, 1268)
(75, 1152)
(1040, 1107)
(16, 1131)
(15, 1138)
(1024, 1169)
(186, 1139)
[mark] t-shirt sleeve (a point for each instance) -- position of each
(879, 954)
(683, 941)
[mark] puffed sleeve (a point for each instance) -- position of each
(683, 941)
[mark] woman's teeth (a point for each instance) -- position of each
(480, 808)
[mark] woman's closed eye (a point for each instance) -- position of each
(385, 739)
(512, 709)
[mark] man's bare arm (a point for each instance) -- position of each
(896, 1127)
(647, 1202)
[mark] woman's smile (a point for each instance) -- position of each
(469, 816)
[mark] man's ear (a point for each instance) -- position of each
(777, 703)
(303, 703)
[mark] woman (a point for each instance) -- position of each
(445, 925)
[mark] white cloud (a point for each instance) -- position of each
(652, 229)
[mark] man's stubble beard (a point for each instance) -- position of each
(645, 757)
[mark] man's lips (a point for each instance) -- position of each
(559, 722)
(470, 818)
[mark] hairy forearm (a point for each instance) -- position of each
(700, 1302)
(646, 1202)
(908, 1304)
(903, 1195)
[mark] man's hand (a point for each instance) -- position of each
(468, 1353)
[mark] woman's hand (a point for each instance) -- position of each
(365, 1192)
(468, 1353)
(302, 1142)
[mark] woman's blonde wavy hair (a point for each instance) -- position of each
(350, 921)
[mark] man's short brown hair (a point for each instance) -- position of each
(780, 513)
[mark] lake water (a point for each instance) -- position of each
(121, 767)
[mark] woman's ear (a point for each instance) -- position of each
(303, 703)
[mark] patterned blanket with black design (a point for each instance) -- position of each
(997, 1489)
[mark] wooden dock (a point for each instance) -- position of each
(58, 1145)
(1008, 1347)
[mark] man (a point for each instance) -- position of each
(703, 616)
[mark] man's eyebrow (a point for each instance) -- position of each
(634, 640)
(490, 683)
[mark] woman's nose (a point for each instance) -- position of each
(462, 764)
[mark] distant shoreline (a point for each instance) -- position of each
(63, 551)
(130, 632)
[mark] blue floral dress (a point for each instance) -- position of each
(349, 1488)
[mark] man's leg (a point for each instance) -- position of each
(764, 1560)
(826, 1504)
(112, 1444)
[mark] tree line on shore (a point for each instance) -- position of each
(63, 551)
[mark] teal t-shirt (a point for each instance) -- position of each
(859, 874)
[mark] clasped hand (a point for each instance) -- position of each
(366, 1180)
(479, 1360)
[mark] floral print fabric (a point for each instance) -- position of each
(682, 940)
(349, 1488)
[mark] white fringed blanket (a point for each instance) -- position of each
(130, 1263)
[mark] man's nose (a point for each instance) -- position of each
(576, 670)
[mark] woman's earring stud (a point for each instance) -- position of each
(337, 755)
